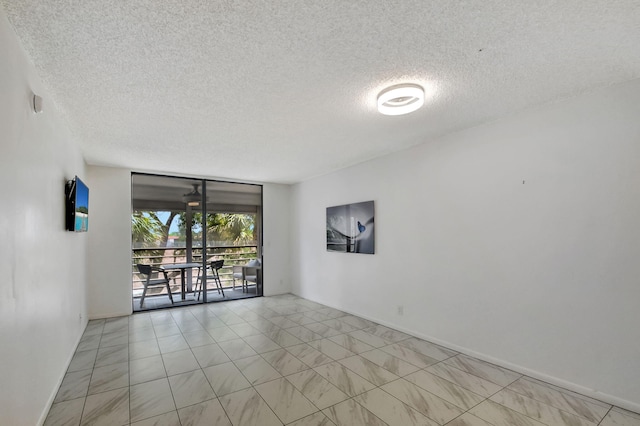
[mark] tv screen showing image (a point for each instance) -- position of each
(77, 206)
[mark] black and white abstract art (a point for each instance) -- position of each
(350, 228)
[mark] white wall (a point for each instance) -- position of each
(276, 238)
(42, 291)
(517, 241)
(109, 260)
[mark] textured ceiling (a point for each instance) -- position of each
(281, 91)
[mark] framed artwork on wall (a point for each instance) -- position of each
(350, 228)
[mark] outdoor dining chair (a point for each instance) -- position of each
(161, 281)
(246, 273)
(215, 267)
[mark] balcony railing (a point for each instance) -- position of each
(158, 256)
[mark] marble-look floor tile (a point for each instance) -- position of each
(323, 330)
(94, 327)
(166, 419)
(222, 334)
(310, 356)
(387, 333)
(74, 385)
(146, 369)
(389, 362)
(304, 334)
(83, 360)
(391, 410)
(150, 399)
(247, 408)
(331, 349)
(468, 419)
(66, 413)
(179, 362)
(237, 349)
(166, 330)
(143, 349)
(427, 348)
(210, 323)
(256, 369)
(284, 362)
(350, 413)
(190, 388)
(537, 410)
(264, 326)
(619, 417)
(409, 355)
(172, 343)
(570, 393)
(198, 338)
(425, 402)
(261, 343)
(316, 419)
(112, 355)
(244, 329)
(190, 326)
(89, 342)
(210, 355)
(230, 318)
(225, 378)
(493, 373)
(331, 312)
(457, 395)
(344, 379)
(114, 339)
(283, 338)
(282, 322)
(368, 370)
(142, 334)
(109, 377)
(462, 378)
(300, 319)
(351, 343)
(285, 400)
(499, 415)
(116, 324)
(369, 339)
(563, 401)
(357, 322)
(139, 320)
(207, 413)
(317, 389)
(107, 408)
(338, 324)
(317, 316)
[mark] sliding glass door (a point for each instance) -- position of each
(196, 240)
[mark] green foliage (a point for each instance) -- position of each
(230, 228)
(144, 230)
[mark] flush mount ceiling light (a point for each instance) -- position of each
(193, 198)
(400, 99)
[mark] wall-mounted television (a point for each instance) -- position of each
(77, 205)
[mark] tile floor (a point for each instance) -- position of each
(286, 360)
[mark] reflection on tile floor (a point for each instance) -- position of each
(284, 360)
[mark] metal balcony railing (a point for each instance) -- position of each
(158, 256)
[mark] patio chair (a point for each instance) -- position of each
(148, 270)
(246, 273)
(215, 266)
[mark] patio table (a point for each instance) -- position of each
(182, 267)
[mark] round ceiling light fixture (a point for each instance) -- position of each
(400, 99)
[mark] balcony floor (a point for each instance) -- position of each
(162, 300)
